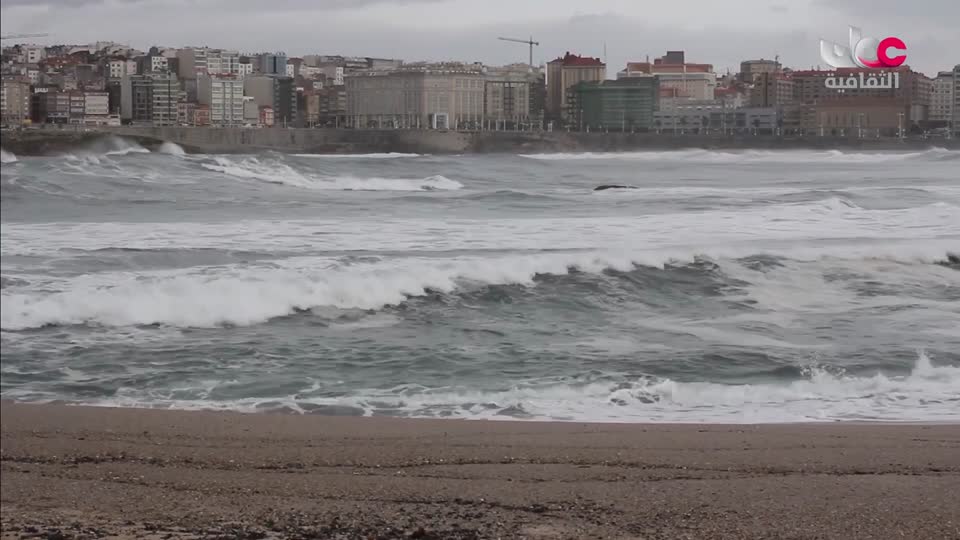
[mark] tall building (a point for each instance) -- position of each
(941, 98)
(562, 74)
(771, 89)
(626, 104)
(750, 69)
(14, 103)
(430, 96)
(273, 63)
(955, 128)
(78, 106)
(224, 95)
(136, 98)
(278, 93)
(165, 95)
(118, 67)
(513, 97)
(678, 78)
(54, 107)
(96, 107)
(191, 62)
(222, 62)
(285, 106)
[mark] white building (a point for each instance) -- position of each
(221, 62)
(224, 96)
(119, 68)
(34, 53)
(941, 99)
(245, 69)
(96, 104)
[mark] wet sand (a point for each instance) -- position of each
(80, 472)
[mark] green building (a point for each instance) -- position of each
(626, 104)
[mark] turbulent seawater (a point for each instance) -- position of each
(750, 286)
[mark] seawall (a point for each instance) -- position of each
(345, 141)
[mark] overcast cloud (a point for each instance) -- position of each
(720, 33)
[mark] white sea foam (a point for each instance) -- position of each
(247, 295)
(280, 173)
(928, 393)
(831, 226)
(172, 149)
(754, 156)
(7, 157)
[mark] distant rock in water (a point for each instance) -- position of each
(612, 186)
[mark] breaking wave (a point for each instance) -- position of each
(7, 157)
(926, 393)
(172, 149)
(242, 296)
(280, 173)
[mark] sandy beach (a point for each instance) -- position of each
(81, 472)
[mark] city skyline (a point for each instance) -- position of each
(399, 28)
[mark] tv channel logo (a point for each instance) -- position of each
(864, 52)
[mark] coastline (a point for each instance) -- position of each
(53, 141)
(147, 473)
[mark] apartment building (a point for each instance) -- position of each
(678, 78)
(750, 69)
(514, 97)
(771, 89)
(942, 98)
(224, 95)
(625, 105)
(165, 95)
(562, 74)
(14, 102)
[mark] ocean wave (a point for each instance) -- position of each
(172, 149)
(241, 296)
(7, 157)
(280, 173)
(824, 394)
(754, 156)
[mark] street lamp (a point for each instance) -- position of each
(900, 125)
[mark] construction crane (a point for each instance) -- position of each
(529, 42)
(18, 36)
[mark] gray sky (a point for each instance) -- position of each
(721, 33)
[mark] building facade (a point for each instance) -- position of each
(678, 78)
(955, 125)
(136, 98)
(513, 97)
(224, 96)
(750, 69)
(625, 105)
(942, 98)
(866, 117)
(771, 89)
(273, 63)
(14, 103)
(165, 95)
(562, 74)
(434, 96)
